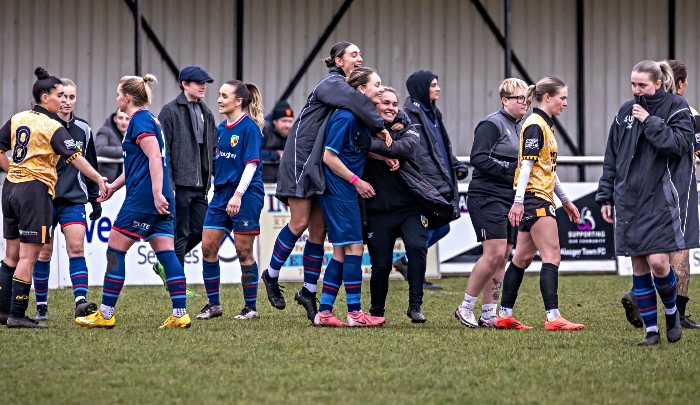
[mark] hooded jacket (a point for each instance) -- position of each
(189, 166)
(648, 177)
(301, 171)
(108, 143)
(437, 168)
(73, 187)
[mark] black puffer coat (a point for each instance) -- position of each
(648, 177)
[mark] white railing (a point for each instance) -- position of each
(563, 160)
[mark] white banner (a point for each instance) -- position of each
(139, 259)
(462, 239)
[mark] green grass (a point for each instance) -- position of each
(281, 359)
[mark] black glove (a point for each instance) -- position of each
(462, 170)
(361, 142)
(96, 211)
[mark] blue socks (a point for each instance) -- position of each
(352, 278)
(114, 277)
(78, 276)
(646, 298)
(249, 280)
(174, 278)
(312, 262)
(211, 272)
(284, 244)
(41, 281)
(666, 287)
(331, 285)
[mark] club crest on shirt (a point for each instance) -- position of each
(424, 221)
(79, 145)
(234, 140)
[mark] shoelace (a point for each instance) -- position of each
(278, 289)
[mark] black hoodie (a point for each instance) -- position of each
(434, 155)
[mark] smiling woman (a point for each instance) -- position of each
(238, 195)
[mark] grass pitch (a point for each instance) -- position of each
(281, 359)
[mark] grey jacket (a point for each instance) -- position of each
(108, 143)
(184, 159)
(648, 176)
(301, 171)
(494, 156)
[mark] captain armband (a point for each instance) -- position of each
(73, 156)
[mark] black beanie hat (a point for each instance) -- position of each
(282, 109)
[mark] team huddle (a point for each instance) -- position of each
(355, 170)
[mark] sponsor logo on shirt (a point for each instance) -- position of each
(532, 144)
(70, 144)
(629, 120)
(226, 155)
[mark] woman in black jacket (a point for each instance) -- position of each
(494, 157)
(434, 154)
(394, 212)
(648, 176)
(680, 261)
(300, 178)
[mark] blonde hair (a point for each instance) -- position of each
(68, 82)
(510, 86)
(252, 100)
(658, 71)
(548, 85)
(137, 88)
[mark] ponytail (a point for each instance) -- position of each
(528, 96)
(667, 78)
(138, 88)
(255, 106)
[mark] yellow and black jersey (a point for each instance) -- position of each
(696, 127)
(37, 141)
(537, 143)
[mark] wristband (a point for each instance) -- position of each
(354, 179)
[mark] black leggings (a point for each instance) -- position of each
(382, 231)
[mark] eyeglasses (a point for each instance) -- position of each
(519, 99)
